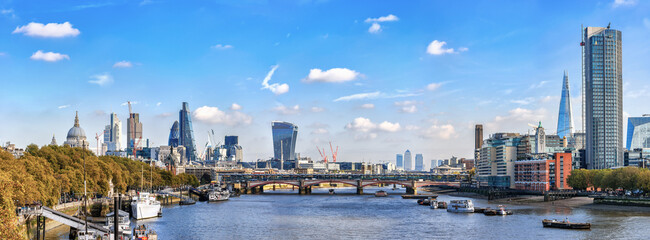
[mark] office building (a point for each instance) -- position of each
(284, 140)
(408, 161)
(602, 97)
(232, 148)
(76, 135)
(478, 136)
(419, 162)
(113, 134)
(543, 172)
(495, 166)
(399, 161)
(133, 131)
(174, 135)
(186, 134)
(638, 132)
(565, 118)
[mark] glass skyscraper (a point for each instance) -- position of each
(284, 140)
(602, 97)
(565, 118)
(419, 162)
(174, 135)
(186, 134)
(399, 161)
(408, 161)
(638, 132)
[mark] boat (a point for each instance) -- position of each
(218, 194)
(433, 204)
(461, 206)
(480, 210)
(332, 192)
(442, 205)
(140, 233)
(381, 193)
(123, 224)
(145, 206)
(424, 202)
(501, 211)
(187, 201)
(565, 224)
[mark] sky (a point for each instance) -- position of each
(373, 77)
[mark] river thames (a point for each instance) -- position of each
(286, 215)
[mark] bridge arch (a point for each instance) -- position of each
(403, 184)
(332, 181)
(264, 183)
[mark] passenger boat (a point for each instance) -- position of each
(123, 224)
(218, 194)
(433, 204)
(442, 205)
(381, 193)
(145, 206)
(461, 206)
(565, 224)
(140, 233)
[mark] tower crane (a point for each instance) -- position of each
(322, 154)
(334, 154)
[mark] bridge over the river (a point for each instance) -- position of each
(254, 183)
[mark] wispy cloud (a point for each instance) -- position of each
(222, 46)
(375, 27)
(368, 106)
(48, 56)
(50, 30)
(284, 110)
(524, 101)
(334, 75)
(438, 48)
(8, 12)
(123, 64)
(317, 109)
(376, 95)
(63, 106)
(102, 79)
(619, 3)
(276, 88)
(538, 85)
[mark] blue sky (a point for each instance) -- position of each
(373, 77)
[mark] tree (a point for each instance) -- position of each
(578, 179)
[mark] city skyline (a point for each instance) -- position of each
(374, 91)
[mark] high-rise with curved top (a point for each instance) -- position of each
(186, 134)
(564, 118)
(284, 140)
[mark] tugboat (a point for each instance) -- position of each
(565, 224)
(461, 206)
(381, 193)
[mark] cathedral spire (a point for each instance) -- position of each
(76, 119)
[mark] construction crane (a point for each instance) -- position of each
(322, 154)
(334, 154)
(97, 135)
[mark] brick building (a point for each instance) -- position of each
(543, 172)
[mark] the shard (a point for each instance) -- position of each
(564, 118)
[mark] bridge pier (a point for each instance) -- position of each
(359, 187)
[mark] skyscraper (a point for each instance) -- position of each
(113, 134)
(602, 97)
(638, 132)
(284, 140)
(399, 161)
(478, 136)
(419, 162)
(408, 161)
(174, 135)
(565, 118)
(134, 130)
(186, 134)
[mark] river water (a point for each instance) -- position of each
(284, 214)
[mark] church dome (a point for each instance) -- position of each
(76, 132)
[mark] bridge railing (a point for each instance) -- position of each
(293, 177)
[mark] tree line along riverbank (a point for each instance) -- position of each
(43, 174)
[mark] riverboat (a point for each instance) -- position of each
(381, 193)
(123, 224)
(145, 206)
(218, 194)
(461, 206)
(500, 211)
(565, 224)
(433, 204)
(140, 233)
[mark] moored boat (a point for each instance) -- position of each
(123, 224)
(381, 193)
(145, 206)
(140, 233)
(461, 206)
(565, 224)
(442, 205)
(433, 204)
(218, 194)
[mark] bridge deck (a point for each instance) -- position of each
(71, 221)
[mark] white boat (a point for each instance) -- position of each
(433, 204)
(124, 224)
(460, 206)
(145, 206)
(218, 194)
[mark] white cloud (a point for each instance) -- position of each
(375, 95)
(433, 86)
(364, 125)
(317, 109)
(222, 46)
(48, 56)
(389, 18)
(235, 107)
(618, 3)
(409, 109)
(524, 101)
(446, 131)
(102, 79)
(405, 103)
(463, 49)
(276, 88)
(374, 28)
(368, 106)
(319, 131)
(438, 48)
(53, 30)
(359, 96)
(123, 64)
(8, 12)
(212, 115)
(284, 110)
(412, 128)
(158, 104)
(334, 75)
(517, 118)
(63, 106)
(538, 85)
